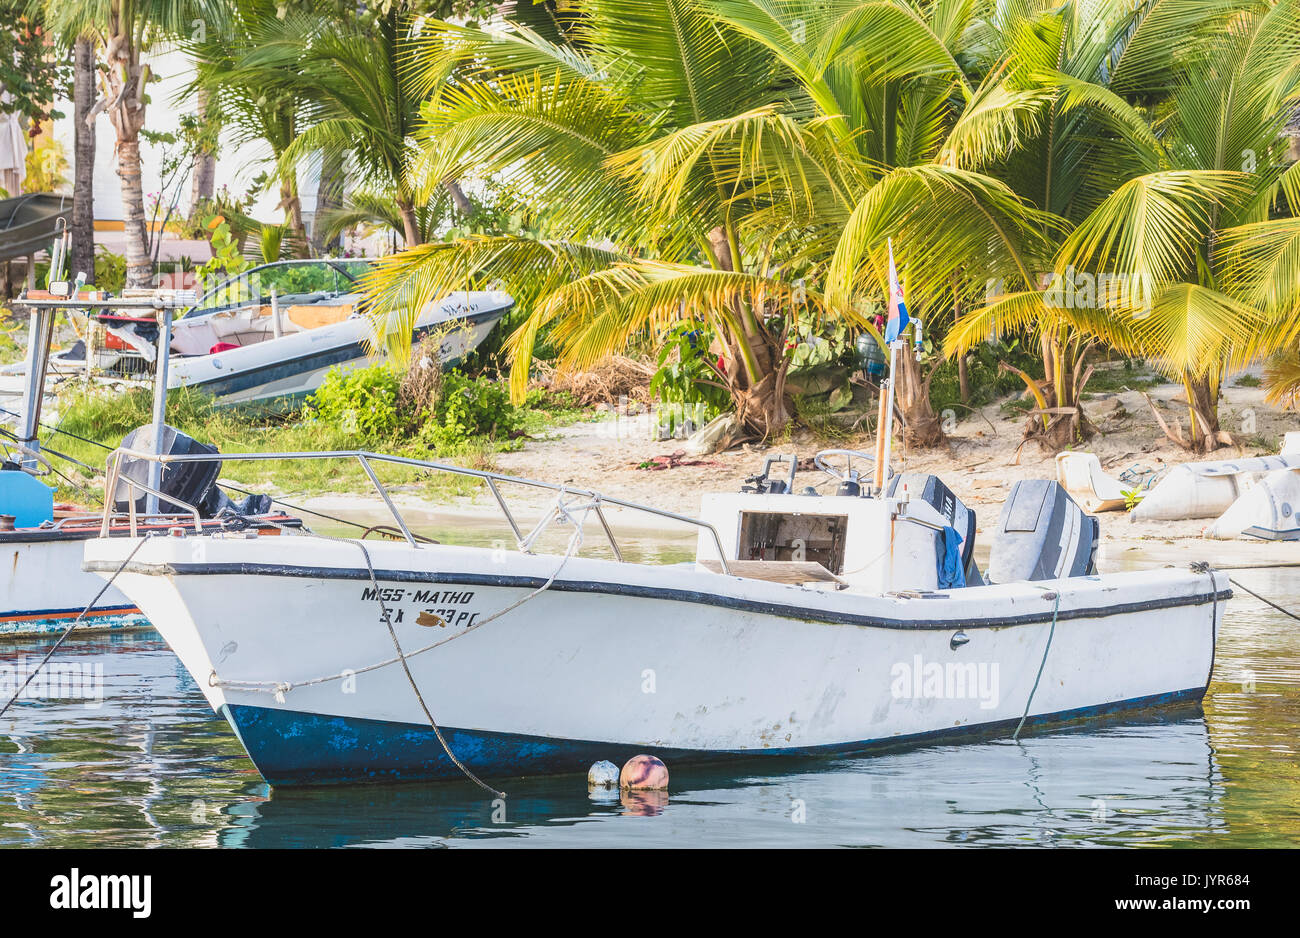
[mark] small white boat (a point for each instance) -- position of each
(807, 624)
(273, 333)
(43, 588)
(1207, 489)
(1266, 510)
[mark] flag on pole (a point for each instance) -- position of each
(897, 308)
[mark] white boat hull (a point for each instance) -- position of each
(1207, 489)
(43, 588)
(615, 658)
(291, 367)
(1266, 510)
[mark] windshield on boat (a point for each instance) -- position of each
(301, 282)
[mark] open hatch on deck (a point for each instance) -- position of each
(793, 536)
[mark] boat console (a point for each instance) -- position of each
(916, 535)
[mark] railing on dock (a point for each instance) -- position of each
(366, 459)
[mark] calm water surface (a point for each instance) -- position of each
(152, 765)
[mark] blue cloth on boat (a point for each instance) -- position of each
(951, 574)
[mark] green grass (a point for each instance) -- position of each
(1015, 407)
(106, 418)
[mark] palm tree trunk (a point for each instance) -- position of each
(757, 383)
(139, 265)
(1203, 409)
(203, 184)
(125, 79)
(921, 428)
(410, 225)
(83, 157)
(329, 195)
(292, 206)
(963, 372)
(458, 198)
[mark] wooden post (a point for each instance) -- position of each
(880, 438)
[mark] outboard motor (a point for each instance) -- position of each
(1042, 535)
(188, 481)
(931, 490)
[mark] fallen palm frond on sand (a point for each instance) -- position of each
(606, 382)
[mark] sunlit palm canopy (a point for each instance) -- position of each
(723, 152)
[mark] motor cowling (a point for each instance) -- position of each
(1042, 534)
(932, 490)
(189, 482)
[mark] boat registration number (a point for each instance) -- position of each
(432, 608)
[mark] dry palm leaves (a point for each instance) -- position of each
(609, 381)
(421, 387)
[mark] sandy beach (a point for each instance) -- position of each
(982, 460)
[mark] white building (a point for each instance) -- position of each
(237, 167)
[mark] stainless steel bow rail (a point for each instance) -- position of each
(366, 459)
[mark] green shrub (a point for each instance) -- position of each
(469, 408)
(362, 403)
(987, 381)
(110, 270)
(369, 404)
(687, 377)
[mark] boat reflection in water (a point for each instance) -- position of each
(1151, 781)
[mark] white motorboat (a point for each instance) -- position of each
(807, 624)
(273, 333)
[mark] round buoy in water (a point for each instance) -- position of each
(644, 773)
(603, 774)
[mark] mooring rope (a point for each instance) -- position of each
(75, 622)
(1033, 690)
(437, 731)
(1268, 602)
(280, 688)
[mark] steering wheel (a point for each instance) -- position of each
(848, 473)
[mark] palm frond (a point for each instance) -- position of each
(1150, 227)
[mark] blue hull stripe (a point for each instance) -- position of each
(70, 613)
(128, 620)
(291, 747)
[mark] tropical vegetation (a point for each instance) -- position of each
(720, 183)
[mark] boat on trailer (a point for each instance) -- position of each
(806, 624)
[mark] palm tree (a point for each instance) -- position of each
(1176, 165)
(245, 75)
(125, 29)
(83, 158)
(361, 207)
(356, 104)
(712, 162)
